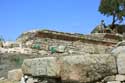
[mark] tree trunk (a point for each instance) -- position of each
(113, 22)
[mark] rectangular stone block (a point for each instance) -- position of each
(26, 66)
(38, 67)
(87, 68)
(46, 66)
(120, 77)
(114, 82)
(121, 63)
(15, 75)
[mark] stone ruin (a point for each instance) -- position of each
(60, 57)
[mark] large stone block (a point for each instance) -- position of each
(114, 82)
(109, 78)
(87, 68)
(15, 75)
(120, 78)
(81, 68)
(61, 48)
(46, 66)
(118, 50)
(26, 66)
(121, 63)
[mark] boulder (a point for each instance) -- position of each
(87, 68)
(3, 50)
(15, 75)
(121, 63)
(118, 50)
(26, 66)
(29, 43)
(43, 52)
(122, 43)
(58, 49)
(120, 78)
(2, 78)
(109, 78)
(31, 80)
(61, 48)
(114, 82)
(81, 68)
(46, 66)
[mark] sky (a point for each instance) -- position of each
(75, 16)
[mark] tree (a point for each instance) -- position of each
(114, 8)
(1, 39)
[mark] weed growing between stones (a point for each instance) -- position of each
(18, 60)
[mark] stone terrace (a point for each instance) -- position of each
(97, 38)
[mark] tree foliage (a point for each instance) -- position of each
(114, 8)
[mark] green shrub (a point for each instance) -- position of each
(36, 46)
(18, 60)
(53, 49)
(46, 40)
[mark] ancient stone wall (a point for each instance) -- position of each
(102, 38)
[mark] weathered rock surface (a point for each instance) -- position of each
(15, 75)
(31, 80)
(87, 68)
(109, 78)
(43, 52)
(82, 68)
(45, 66)
(114, 82)
(122, 43)
(68, 57)
(102, 38)
(61, 48)
(121, 63)
(120, 78)
(118, 50)
(41, 66)
(26, 66)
